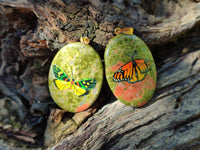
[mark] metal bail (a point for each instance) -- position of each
(128, 31)
(85, 40)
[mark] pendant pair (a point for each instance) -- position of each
(76, 72)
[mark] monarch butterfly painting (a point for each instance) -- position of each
(80, 88)
(133, 71)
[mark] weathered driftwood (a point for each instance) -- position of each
(32, 32)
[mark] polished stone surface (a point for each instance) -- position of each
(130, 70)
(75, 77)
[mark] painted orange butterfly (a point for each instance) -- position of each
(133, 71)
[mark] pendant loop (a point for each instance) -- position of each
(127, 31)
(85, 40)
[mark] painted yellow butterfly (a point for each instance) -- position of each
(80, 88)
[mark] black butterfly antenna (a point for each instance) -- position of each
(74, 77)
(134, 53)
(72, 73)
(132, 58)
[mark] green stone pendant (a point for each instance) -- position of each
(76, 76)
(130, 68)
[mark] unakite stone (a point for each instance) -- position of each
(75, 77)
(130, 70)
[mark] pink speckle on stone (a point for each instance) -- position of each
(83, 107)
(117, 66)
(134, 91)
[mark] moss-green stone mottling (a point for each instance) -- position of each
(78, 61)
(119, 52)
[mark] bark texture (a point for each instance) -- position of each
(33, 31)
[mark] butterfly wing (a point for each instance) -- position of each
(60, 74)
(79, 91)
(81, 87)
(62, 81)
(141, 68)
(133, 71)
(87, 84)
(123, 73)
(61, 85)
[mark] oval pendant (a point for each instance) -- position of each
(130, 68)
(75, 76)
